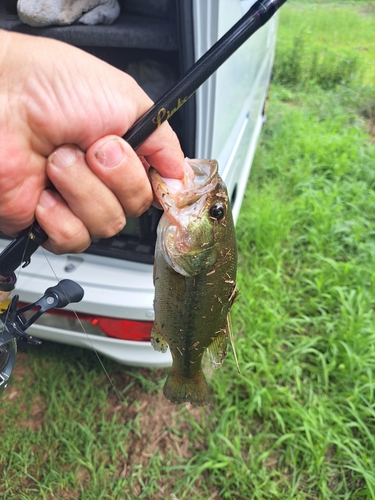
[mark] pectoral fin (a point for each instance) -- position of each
(158, 341)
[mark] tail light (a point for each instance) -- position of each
(98, 325)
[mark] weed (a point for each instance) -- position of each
(305, 64)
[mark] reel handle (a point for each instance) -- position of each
(60, 295)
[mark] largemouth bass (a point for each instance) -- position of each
(194, 276)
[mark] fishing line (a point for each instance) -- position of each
(84, 331)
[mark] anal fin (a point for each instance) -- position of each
(217, 350)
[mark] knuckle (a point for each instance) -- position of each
(16, 209)
(115, 226)
(140, 207)
(72, 238)
(140, 210)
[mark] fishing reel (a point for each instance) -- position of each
(13, 324)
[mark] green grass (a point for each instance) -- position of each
(328, 38)
(308, 298)
(299, 421)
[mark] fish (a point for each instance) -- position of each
(195, 268)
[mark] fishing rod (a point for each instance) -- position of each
(19, 251)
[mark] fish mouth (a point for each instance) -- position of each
(176, 194)
(184, 203)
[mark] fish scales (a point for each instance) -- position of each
(194, 275)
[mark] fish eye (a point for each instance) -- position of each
(217, 211)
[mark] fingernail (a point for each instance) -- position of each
(64, 157)
(110, 154)
(47, 199)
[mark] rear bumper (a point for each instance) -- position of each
(123, 351)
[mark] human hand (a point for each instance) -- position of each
(63, 159)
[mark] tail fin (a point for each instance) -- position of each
(179, 389)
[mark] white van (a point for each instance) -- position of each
(222, 120)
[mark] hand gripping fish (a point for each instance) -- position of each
(194, 276)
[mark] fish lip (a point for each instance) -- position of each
(169, 197)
